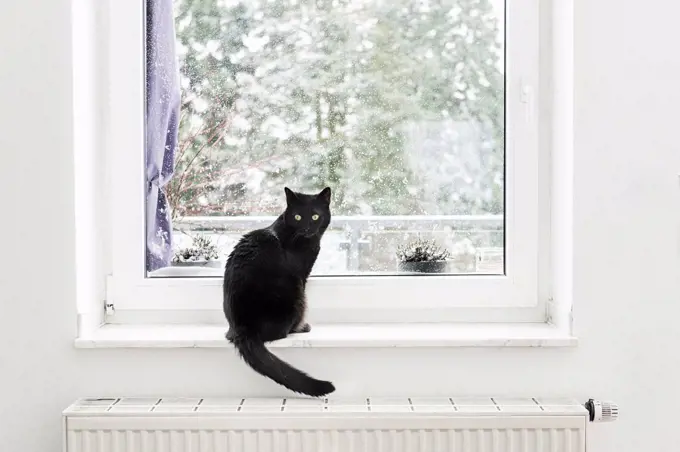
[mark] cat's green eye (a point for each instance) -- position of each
(298, 218)
(315, 217)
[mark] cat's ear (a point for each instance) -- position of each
(325, 195)
(291, 197)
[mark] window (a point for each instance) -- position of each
(420, 115)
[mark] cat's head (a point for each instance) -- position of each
(309, 215)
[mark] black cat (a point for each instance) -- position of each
(264, 287)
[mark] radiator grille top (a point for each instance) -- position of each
(451, 406)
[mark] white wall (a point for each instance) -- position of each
(626, 211)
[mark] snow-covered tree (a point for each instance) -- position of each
(397, 105)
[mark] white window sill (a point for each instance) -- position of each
(337, 335)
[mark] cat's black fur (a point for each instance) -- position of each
(264, 287)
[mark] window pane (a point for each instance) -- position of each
(397, 105)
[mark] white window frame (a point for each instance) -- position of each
(518, 296)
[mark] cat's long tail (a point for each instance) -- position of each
(256, 355)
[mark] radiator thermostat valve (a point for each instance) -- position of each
(602, 411)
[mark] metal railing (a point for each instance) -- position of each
(486, 231)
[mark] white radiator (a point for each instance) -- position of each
(310, 425)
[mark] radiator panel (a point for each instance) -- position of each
(524, 440)
(377, 426)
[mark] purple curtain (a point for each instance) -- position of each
(162, 116)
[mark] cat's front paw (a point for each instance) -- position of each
(229, 335)
(304, 328)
